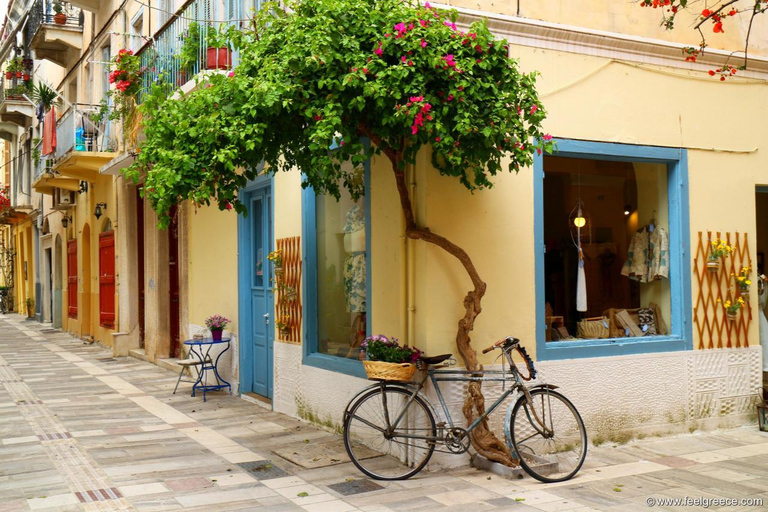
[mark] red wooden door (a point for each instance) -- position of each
(107, 279)
(72, 277)
(140, 254)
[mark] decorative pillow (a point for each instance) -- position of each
(647, 322)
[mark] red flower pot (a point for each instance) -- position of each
(8, 75)
(60, 18)
(216, 334)
(26, 77)
(218, 58)
(18, 74)
(181, 78)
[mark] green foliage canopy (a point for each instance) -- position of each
(338, 71)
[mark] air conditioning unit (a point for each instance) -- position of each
(63, 199)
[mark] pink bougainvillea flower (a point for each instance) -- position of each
(547, 137)
(416, 99)
(449, 24)
(449, 60)
(400, 28)
(317, 117)
(423, 23)
(423, 43)
(228, 206)
(450, 97)
(437, 139)
(231, 74)
(534, 109)
(403, 59)
(426, 5)
(378, 51)
(410, 26)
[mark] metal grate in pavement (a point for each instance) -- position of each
(263, 469)
(355, 487)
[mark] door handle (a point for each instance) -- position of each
(266, 318)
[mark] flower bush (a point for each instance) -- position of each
(217, 322)
(382, 348)
(126, 77)
(719, 249)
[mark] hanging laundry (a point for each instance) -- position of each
(648, 255)
(49, 132)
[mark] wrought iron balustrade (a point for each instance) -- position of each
(43, 13)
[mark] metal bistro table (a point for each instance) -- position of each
(202, 349)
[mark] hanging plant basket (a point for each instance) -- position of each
(8, 75)
(744, 293)
(290, 295)
(731, 317)
(278, 273)
(713, 266)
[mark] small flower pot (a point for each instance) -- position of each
(713, 266)
(744, 293)
(181, 77)
(285, 332)
(9, 74)
(731, 317)
(290, 295)
(26, 77)
(216, 334)
(279, 273)
(218, 58)
(19, 74)
(60, 18)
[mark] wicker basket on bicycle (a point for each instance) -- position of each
(381, 370)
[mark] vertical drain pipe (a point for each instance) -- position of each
(410, 263)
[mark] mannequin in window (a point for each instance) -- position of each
(355, 274)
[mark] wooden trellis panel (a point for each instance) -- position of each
(288, 290)
(712, 327)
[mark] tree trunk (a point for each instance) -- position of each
(483, 440)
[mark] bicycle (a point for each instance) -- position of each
(390, 431)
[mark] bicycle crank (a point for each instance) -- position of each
(456, 440)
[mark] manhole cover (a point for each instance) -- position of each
(319, 454)
(263, 469)
(355, 487)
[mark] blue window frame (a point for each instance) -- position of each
(681, 336)
(311, 354)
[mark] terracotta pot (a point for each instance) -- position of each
(216, 334)
(60, 18)
(8, 75)
(181, 77)
(713, 265)
(18, 74)
(218, 58)
(26, 77)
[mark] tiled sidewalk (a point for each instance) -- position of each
(80, 430)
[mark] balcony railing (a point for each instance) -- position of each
(77, 131)
(43, 13)
(162, 59)
(40, 163)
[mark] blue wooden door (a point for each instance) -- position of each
(256, 293)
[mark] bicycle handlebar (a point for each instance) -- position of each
(500, 343)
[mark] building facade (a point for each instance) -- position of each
(646, 175)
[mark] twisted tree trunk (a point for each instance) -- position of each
(483, 440)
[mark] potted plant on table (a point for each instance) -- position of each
(60, 18)
(216, 324)
(387, 360)
(218, 54)
(30, 302)
(719, 249)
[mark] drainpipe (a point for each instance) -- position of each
(410, 264)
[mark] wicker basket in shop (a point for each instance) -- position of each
(595, 327)
(380, 370)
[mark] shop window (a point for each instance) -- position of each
(336, 234)
(612, 224)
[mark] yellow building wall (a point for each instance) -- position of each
(212, 270)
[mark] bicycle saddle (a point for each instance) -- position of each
(435, 359)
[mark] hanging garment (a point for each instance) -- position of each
(49, 132)
(648, 256)
(581, 288)
(354, 264)
(762, 298)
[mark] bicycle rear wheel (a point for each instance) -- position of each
(555, 451)
(383, 451)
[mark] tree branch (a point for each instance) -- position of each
(715, 12)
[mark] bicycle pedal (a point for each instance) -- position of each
(440, 424)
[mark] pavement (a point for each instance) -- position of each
(81, 430)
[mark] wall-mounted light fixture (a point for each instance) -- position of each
(65, 220)
(627, 209)
(83, 187)
(97, 212)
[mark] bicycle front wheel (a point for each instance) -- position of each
(553, 447)
(383, 447)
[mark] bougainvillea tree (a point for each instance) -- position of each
(349, 72)
(715, 17)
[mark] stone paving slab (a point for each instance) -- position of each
(81, 430)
